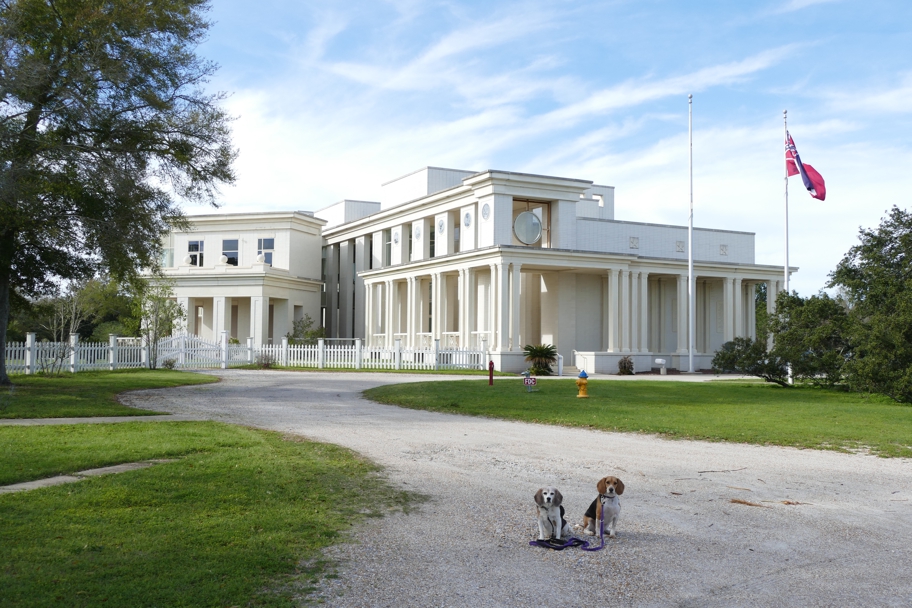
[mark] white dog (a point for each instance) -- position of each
(551, 522)
(609, 488)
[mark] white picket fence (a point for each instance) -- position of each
(192, 352)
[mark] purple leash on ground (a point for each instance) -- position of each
(575, 542)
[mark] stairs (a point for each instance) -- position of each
(569, 370)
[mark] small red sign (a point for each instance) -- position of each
(530, 381)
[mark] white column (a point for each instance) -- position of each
(752, 311)
(219, 318)
(503, 308)
(461, 295)
(605, 312)
(183, 325)
(411, 318)
(471, 301)
(388, 317)
(729, 308)
(681, 297)
(492, 308)
(516, 281)
(624, 294)
(738, 309)
(634, 312)
(614, 302)
(259, 320)
(368, 313)
(437, 308)
(644, 312)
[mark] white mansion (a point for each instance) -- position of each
(489, 259)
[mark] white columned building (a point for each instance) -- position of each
(507, 259)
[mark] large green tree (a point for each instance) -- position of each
(876, 277)
(105, 129)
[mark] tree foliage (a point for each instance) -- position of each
(303, 331)
(876, 276)
(105, 128)
(751, 358)
(810, 335)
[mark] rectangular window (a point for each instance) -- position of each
(195, 249)
(230, 251)
(387, 247)
(266, 247)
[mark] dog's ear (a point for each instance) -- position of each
(558, 498)
(539, 499)
(602, 486)
(619, 486)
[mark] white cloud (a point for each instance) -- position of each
(797, 5)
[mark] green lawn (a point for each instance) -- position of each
(739, 412)
(238, 520)
(86, 393)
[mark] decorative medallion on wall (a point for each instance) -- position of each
(396, 237)
(723, 249)
(527, 228)
(679, 247)
(440, 227)
(634, 242)
(417, 233)
(485, 211)
(467, 220)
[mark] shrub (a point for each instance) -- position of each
(265, 361)
(625, 366)
(750, 357)
(169, 363)
(541, 356)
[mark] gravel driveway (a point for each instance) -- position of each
(681, 541)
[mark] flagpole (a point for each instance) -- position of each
(785, 139)
(690, 246)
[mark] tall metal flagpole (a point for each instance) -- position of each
(690, 246)
(785, 139)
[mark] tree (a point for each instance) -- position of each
(104, 130)
(810, 335)
(750, 357)
(542, 357)
(157, 313)
(303, 331)
(876, 276)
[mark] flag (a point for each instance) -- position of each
(813, 181)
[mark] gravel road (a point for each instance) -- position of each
(831, 530)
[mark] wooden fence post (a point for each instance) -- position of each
(284, 351)
(398, 353)
(223, 346)
(357, 353)
(74, 356)
(321, 344)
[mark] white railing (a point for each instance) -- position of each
(193, 352)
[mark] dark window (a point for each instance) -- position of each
(266, 246)
(195, 249)
(230, 250)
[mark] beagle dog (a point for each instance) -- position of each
(551, 522)
(609, 488)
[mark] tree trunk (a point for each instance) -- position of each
(4, 320)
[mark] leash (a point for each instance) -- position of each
(560, 545)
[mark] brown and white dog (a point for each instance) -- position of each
(551, 522)
(609, 488)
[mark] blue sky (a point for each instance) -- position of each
(334, 98)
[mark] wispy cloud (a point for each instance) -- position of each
(797, 5)
(896, 100)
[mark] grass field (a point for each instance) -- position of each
(238, 520)
(86, 393)
(724, 411)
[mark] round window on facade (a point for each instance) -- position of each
(485, 211)
(527, 228)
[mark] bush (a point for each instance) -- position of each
(541, 356)
(625, 366)
(169, 363)
(750, 357)
(265, 361)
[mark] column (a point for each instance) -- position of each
(728, 307)
(259, 319)
(644, 312)
(461, 295)
(681, 297)
(614, 302)
(183, 324)
(634, 312)
(471, 302)
(605, 313)
(362, 263)
(411, 317)
(332, 292)
(738, 309)
(219, 318)
(492, 308)
(346, 289)
(503, 308)
(624, 295)
(368, 313)
(752, 311)
(388, 317)
(514, 330)
(436, 319)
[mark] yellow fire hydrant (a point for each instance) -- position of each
(583, 384)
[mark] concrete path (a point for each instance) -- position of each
(828, 529)
(79, 476)
(96, 420)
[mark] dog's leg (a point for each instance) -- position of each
(612, 525)
(556, 526)
(541, 530)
